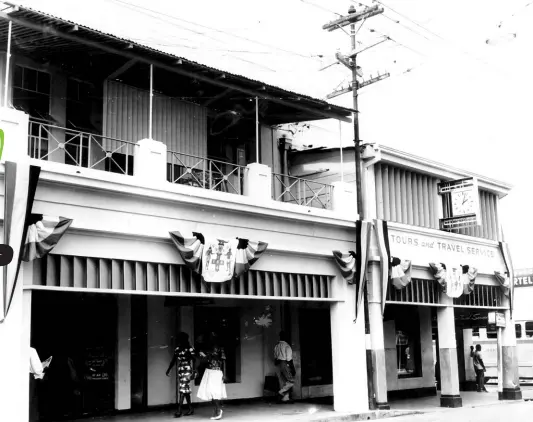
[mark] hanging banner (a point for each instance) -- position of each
(217, 260)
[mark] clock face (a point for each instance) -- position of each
(463, 202)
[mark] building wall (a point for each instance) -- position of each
(181, 126)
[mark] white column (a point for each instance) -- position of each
(344, 200)
(15, 358)
(449, 369)
(123, 354)
(470, 374)
(377, 339)
(14, 123)
(258, 182)
(150, 161)
(511, 380)
(348, 351)
(161, 330)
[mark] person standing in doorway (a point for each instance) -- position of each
(286, 370)
(184, 356)
(479, 367)
(212, 386)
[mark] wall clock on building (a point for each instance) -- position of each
(460, 200)
(463, 202)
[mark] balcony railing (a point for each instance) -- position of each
(301, 191)
(82, 149)
(68, 146)
(191, 170)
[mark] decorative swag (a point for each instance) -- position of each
(455, 280)
(217, 260)
(353, 263)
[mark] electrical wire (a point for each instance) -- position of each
(175, 18)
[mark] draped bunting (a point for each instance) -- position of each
(454, 282)
(400, 273)
(382, 234)
(505, 282)
(353, 263)
(20, 184)
(44, 232)
(346, 263)
(506, 254)
(231, 257)
(468, 277)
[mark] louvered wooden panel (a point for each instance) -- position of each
(418, 291)
(482, 297)
(406, 197)
(110, 274)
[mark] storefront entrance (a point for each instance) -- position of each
(111, 351)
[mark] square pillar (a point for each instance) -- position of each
(449, 369)
(344, 199)
(123, 354)
(511, 380)
(258, 182)
(14, 123)
(350, 391)
(15, 357)
(150, 161)
(377, 340)
(470, 374)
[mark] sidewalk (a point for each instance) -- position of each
(302, 411)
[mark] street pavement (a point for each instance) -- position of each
(508, 412)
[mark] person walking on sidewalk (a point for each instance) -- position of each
(184, 356)
(479, 367)
(286, 370)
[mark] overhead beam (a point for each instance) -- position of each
(178, 70)
(122, 69)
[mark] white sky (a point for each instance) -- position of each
(464, 103)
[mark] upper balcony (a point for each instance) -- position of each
(87, 150)
(92, 97)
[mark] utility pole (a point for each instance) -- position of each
(350, 61)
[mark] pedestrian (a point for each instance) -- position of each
(286, 370)
(212, 387)
(479, 367)
(37, 369)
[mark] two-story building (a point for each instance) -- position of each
(418, 333)
(132, 144)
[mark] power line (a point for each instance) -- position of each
(213, 29)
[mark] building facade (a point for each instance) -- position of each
(418, 334)
(132, 144)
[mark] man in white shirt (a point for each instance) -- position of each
(286, 370)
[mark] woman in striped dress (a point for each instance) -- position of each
(184, 356)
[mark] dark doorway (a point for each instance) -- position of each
(315, 345)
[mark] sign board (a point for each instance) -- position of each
(461, 204)
(524, 281)
(422, 248)
(496, 319)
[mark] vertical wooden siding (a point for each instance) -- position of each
(181, 126)
(408, 197)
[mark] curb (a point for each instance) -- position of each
(367, 416)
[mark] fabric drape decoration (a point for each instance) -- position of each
(400, 273)
(505, 282)
(20, 183)
(346, 263)
(217, 260)
(44, 232)
(382, 234)
(468, 277)
(506, 254)
(454, 280)
(353, 263)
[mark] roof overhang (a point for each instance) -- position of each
(43, 34)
